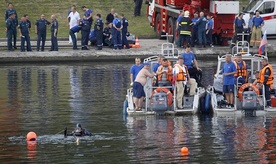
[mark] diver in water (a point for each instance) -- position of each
(79, 131)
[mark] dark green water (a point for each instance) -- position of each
(48, 98)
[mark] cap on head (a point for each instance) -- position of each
(12, 13)
(78, 125)
(146, 64)
(251, 13)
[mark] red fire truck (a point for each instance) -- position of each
(163, 14)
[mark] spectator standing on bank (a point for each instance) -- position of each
(238, 27)
(209, 30)
(124, 32)
(24, 32)
(54, 32)
(138, 6)
(74, 20)
(88, 15)
(15, 22)
(99, 32)
(110, 16)
(194, 30)
(85, 30)
(28, 21)
(258, 23)
(40, 30)
(250, 25)
(10, 27)
(116, 32)
(201, 23)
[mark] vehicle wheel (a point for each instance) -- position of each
(158, 26)
(171, 29)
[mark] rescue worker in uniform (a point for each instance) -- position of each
(266, 79)
(116, 32)
(72, 32)
(185, 29)
(15, 22)
(54, 31)
(98, 28)
(241, 68)
(92, 38)
(195, 30)
(10, 26)
(164, 73)
(201, 24)
(238, 28)
(107, 35)
(24, 32)
(88, 15)
(40, 30)
(85, 31)
(124, 32)
(258, 23)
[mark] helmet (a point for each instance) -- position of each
(186, 13)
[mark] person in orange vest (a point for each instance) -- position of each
(242, 68)
(182, 78)
(164, 73)
(266, 79)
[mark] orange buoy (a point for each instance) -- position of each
(31, 136)
(184, 151)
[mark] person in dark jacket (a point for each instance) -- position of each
(24, 32)
(201, 24)
(107, 35)
(185, 29)
(15, 22)
(124, 32)
(72, 32)
(137, 8)
(54, 32)
(110, 16)
(99, 32)
(85, 30)
(10, 27)
(40, 30)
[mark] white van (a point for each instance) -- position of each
(267, 11)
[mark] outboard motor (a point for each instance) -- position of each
(159, 102)
(249, 102)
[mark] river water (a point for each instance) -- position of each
(47, 98)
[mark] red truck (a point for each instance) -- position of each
(163, 14)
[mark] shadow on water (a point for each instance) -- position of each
(48, 98)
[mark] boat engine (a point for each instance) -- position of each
(249, 101)
(159, 102)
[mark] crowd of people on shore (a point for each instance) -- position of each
(114, 35)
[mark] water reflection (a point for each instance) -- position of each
(47, 98)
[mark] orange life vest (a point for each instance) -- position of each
(181, 76)
(241, 71)
(169, 73)
(270, 79)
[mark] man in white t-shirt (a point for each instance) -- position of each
(74, 20)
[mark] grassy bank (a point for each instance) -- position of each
(137, 25)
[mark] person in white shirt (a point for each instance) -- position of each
(74, 20)
(182, 78)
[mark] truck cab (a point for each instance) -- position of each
(267, 11)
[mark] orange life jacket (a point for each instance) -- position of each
(270, 79)
(181, 76)
(169, 73)
(241, 71)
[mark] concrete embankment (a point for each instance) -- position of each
(149, 47)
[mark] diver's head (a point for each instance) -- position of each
(78, 125)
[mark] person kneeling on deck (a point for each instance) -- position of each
(190, 61)
(138, 85)
(241, 68)
(181, 76)
(267, 79)
(228, 71)
(78, 131)
(164, 73)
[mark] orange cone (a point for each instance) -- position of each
(137, 44)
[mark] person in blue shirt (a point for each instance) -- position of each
(85, 30)
(180, 16)
(40, 30)
(72, 32)
(92, 37)
(209, 30)
(24, 35)
(135, 69)
(201, 24)
(250, 25)
(124, 32)
(258, 23)
(116, 32)
(190, 62)
(228, 71)
(15, 21)
(98, 28)
(238, 28)
(194, 30)
(88, 14)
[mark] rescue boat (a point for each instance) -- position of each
(248, 100)
(161, 100)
